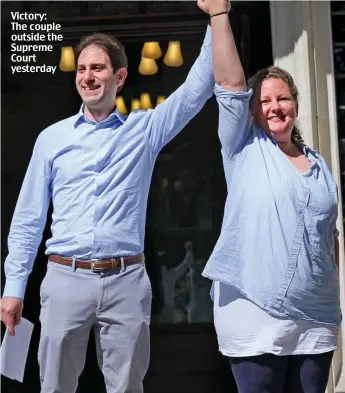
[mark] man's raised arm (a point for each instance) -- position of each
(180, 107)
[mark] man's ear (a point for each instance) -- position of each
(121, 76)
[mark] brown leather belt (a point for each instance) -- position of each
(98, 265)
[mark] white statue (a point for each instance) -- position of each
(169, 278)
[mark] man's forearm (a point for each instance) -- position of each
(28, 223)
(23, 241)
(228, 71)
(200, 79)
(182, 105)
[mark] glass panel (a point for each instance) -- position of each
(188, 191)
(184, 217)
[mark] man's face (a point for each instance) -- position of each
(95, 78)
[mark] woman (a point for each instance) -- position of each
(274, 267)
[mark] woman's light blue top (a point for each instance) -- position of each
(277, 240)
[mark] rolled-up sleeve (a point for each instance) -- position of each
(234, 120)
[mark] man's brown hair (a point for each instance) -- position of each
(111, 46)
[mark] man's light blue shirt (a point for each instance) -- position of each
(277, 239)
(98, 178)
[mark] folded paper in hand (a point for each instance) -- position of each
(14, 350)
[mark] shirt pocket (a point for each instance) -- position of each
(320, 223)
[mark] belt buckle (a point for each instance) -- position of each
(95, 268)
(116, 262)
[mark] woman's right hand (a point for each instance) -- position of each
(214, 6)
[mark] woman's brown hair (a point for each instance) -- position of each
(275, 72)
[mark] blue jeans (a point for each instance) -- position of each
(269, 373)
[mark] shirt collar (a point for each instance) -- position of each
(306, 150)
(81, 118)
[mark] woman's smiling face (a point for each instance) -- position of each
(274, 109)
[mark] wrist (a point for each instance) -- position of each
(216, 15)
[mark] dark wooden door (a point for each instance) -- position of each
(187, 360)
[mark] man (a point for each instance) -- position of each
(96, 167)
